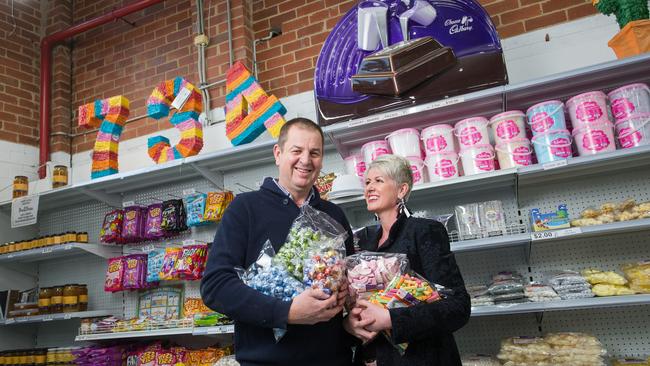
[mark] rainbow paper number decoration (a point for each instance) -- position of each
(109, 115)
(185, 119)
(265, 113)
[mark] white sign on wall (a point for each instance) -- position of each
(24, 211)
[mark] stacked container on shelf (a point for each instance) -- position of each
(551, 138)
(511, 144)
(630, 106)
(593, 132)
(476, 152)
(406, 143)
(440, 150)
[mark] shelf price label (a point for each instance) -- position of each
(554, 164)
(46, 250)
(67, 316)
(10, 321)
(48, 319)
(128, 203)
(554, 234)
(188, 242)
(148, 248)
(189, 191)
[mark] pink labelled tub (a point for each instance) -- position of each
(442, 165)
(596, 138)
(405, 142)
(508, 126)
(552, 145)
(438, 138)
(629, 101)
(478, 159)
(374, 149)
(355, 165)
(418, 169)
(633, 131)
(587, 108)
(514, 153)
(472, 132)
(546, 116)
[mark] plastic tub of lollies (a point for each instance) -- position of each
(374, 149)
(478, 159)
(629, 101)
(472, 132)
(633, 131)
(442, 165)
(508, 126)
(596, 138)
(418, 169)
(405, 142)
(438, 138)
(587, 108)
(355, 165)
(514, 153)
(546, 116)
(552, 146)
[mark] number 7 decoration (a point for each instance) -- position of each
(109, 115)
(266, 111)
(185, 119)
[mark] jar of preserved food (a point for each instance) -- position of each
(71, 298)
(22, 358)
(41, 242)
(60, 176)
(70, 237)
(40, 357)
(51, 356)
(49, 240)
(56, 301)
(44, 300)
(30, 358)
(82, 237)
(12, 247)
(83, 298)
(21, 186)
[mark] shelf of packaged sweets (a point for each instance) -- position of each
(560, 305)
(59, 251)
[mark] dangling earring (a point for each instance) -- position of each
(376, 217)
(401, 208)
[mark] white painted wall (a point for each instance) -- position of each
(571, 45)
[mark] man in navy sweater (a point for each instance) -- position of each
(313, 320)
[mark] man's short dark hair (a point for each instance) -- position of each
(301, 122)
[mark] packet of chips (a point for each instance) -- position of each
(114, 275)
(216, 205)
(172, 255)
(195, 207)
(111, 231)
(153, 229)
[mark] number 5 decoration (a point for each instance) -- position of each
(185, 119)
(109, 115)
(243, 91)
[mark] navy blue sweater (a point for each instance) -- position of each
(250, 220)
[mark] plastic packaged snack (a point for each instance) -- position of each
(508, 276)
(468, 221)
(509, 297)
(324, 267)
(153, 230)
(539, 293)
(595, 276)
(133, 224)
(173, 216)
(637, 273)
(477, 290)
(191, 264)
(172, 255)
(482, 300)
(604, 289)
(155, 260)
(134, 271)
(479, 360)
(114, 275)
(506, 287)
(566, 278)
(492, 218)
(216, 205)
(368, 272)
(591, 213)
(311, 229)
(111, 231)
(195, 207)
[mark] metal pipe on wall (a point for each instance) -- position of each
(201, 42)
(47, 44)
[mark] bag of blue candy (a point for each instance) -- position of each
(271, 280)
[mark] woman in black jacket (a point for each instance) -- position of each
(428, 328)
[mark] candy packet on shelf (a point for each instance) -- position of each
(114, 275)
(111, 231)
(172, 255)
(155, 261)
(191, 264)
(216, 204)
(195, 207)
(133, 224)
(153, 230)
(369, 272)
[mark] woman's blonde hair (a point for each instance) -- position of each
(396, 168)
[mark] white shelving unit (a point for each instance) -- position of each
(159, 333)
(55, 317)
(580, 182)
(60, 251)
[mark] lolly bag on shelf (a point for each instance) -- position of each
(271, 279)
(311, 229)
(111, 231)
(133, 224)
(155, 261)
(406, 290)
(369, 272)
(195, 207)
(153, 230)
(114, 275)
(324, 267)
(216, 205)
(525, 351)
(172, 255)
(638, 273)
(595, 276)
(191, 263)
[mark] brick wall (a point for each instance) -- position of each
(119, 58)
(19, 71)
